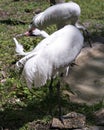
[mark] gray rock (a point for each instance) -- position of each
(92, 128)
(99, 117)
(72, 120)
(97, 128)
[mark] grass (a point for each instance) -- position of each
(19, 106)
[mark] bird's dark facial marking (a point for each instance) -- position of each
(30, 32)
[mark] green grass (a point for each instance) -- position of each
(19, 106)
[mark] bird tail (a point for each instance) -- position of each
(19, 48)
(37, 71)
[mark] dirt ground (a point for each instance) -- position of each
(87, 78)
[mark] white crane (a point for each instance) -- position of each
(57, 50)
(51, 56)
(59, 14)
(54, 52)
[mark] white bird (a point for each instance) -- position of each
(59, 14)
(51, 55)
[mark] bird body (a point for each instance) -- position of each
(52, 55)
(59, 14)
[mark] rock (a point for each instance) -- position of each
(72, 120)
(96, 128)
(39, 125)
(99, 117)
(82, 129)
(92, 128)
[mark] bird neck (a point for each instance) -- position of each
(44, 34)
(79, 26)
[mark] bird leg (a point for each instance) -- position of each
(59, 101)
(59, 96)
(50, 95)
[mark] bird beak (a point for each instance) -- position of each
(31, 32)
(28, 33)
(19, 35)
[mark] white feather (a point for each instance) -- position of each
(59, 14)
(19, 48)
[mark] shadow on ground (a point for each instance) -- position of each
(13, 116)
(87, 79)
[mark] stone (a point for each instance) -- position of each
(72, 120)
(82, 129)
(99, 117)
(39, 125)
(91, 128)
(96, 128)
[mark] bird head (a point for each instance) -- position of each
(31, 32)
(36, 32)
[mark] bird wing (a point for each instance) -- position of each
(37, 71)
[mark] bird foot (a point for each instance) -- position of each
(61, 119)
